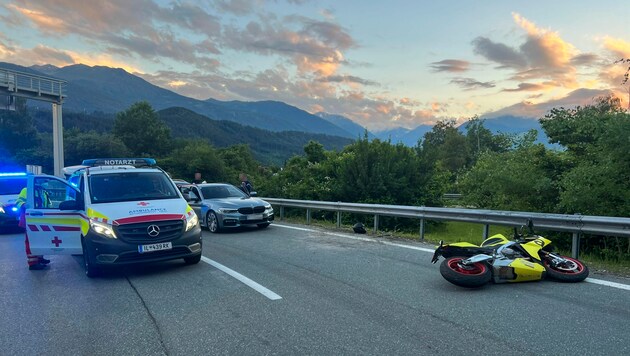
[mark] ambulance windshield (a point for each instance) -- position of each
(130, 186)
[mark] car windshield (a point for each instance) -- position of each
(130, 186)
(12, 186)
(222, 191)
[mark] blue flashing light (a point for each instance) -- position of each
(136, 162)
(14, 209)
(13, 174)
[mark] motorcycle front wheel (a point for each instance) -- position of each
(570, 270)
(470, 276)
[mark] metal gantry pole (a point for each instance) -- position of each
(58, 139)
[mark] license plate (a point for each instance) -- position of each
(155, 247)
(255, 217)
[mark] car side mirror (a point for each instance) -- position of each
(253, 194)
(69, 205)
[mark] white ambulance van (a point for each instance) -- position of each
(113, 212)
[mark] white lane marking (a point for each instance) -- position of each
(589, 280)
(608, 283)
(248, 282)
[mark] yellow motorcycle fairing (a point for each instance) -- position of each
(526, 271)
(534, 246)
(495, 240)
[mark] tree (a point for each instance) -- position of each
(140, 129)
(80, 145)
(196, 156)
(17, 131)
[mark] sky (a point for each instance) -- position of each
(383, 64)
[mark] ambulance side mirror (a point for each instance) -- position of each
(69, 205)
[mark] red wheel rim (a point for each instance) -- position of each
(477, 268)
(573, 266)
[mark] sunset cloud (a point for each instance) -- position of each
(450, 65)
(472, 84)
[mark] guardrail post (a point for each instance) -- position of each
(281, 213)
(308, 216)
(421, 229)
(486, 231)
(375, 223)
(575, 245)
(338, 219)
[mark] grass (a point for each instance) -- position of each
(452, 231)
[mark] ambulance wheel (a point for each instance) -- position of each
(90, 269)
(192, 260)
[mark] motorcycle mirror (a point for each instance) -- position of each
(530, 226)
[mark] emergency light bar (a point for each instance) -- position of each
(136, 162)
(16, 174)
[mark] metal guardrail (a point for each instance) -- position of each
(576, 224)
(32, 85)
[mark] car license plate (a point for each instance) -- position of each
(155, 247)
(255, 217)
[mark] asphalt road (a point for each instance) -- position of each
(317, 294)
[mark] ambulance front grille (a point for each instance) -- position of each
(138, 233)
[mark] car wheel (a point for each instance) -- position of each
(213, 222)
(90, 269)
(262, 226)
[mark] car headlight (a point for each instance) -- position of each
(268, 209)
(103, 229)
(192, 222)
(227, 211)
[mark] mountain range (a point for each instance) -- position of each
(110, 90)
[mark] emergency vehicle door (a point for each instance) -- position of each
(53, 228)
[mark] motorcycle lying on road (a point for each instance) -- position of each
(497, 259)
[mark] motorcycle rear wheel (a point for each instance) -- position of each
(471, 276)
(570, 271)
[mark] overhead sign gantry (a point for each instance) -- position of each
(36, 87)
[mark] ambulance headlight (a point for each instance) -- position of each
(103, 229)
(192, 222)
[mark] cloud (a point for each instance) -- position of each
(584, 59)
(346, 79)
(542, 55)
(471, 84)
(313, 46)
(618, 47)
(531, 87)
(505, 56)
(163, 33)
(450, 65)
(579, 97)
(237, 7)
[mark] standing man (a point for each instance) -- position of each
(35, 262)
(246, 185)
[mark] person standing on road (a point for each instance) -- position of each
(35, 262)
(246, 185)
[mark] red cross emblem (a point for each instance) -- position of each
(142, 203)
(56, 241)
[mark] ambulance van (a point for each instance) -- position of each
(114, 212)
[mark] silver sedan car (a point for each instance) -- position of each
(219, 206)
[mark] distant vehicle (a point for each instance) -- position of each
(180, 182)
(220, 206)
(10, 186)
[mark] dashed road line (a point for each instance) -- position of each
(589, 280)
(248, 282)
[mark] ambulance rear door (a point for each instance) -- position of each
(54, 214)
